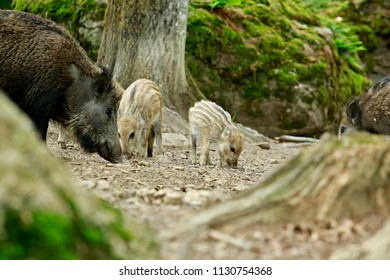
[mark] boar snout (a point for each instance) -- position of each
(232, 163)
(111, 151)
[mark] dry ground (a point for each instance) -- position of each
(167, 189)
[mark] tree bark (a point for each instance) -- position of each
(146, 39)
(333, 179)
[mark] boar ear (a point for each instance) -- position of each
(118, 91)
(353, 110)
(102, 83)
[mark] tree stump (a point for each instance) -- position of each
(334, 179)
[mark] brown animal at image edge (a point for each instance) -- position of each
(369, 111)
(46, 72)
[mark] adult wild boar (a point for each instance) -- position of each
(369, 111)
(46, 72)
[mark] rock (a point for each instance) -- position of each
(44, 212)
(252, 135)
(145, 194)
(325, 33)
(174, 140)
(242, 187)
(159, 194)
(173, 122)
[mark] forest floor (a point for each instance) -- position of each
(167, 189)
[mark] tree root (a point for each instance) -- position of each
(333, 179)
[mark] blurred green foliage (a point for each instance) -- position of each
(5, 4)
(216, 4)
(69, 13)
(263, 49)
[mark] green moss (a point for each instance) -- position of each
(229, 37)
(68, 13)
(24, 229)
(202, 41)
(257, 29)
(64, 238)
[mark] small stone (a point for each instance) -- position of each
(241, 187)
(173, 198)
(89, 184)
(144, 193)
(103, 185)
(178, 167)
(201, 198)
(190, 186)
(159, 194)
(264, 145)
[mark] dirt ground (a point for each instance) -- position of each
(167, 189)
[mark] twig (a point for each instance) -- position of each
(296, 139)
(136, 181)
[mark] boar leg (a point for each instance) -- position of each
(41, 124)
(204, 155)
(151, 141)
(157, 129)
(62, 136)
(193, 141)
(142, 142)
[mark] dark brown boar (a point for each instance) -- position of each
(369, 111)
(46, 72)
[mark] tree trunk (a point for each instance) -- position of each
(333, 179)
(146, 39)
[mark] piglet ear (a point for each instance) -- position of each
(102, 83)
(353, 110)
(226, 132)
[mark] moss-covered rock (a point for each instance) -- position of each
(275, 65)
(44, 214)
(83, 18)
